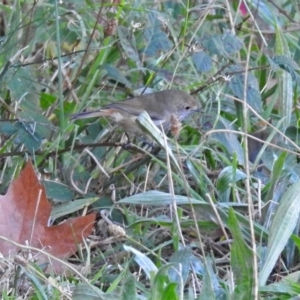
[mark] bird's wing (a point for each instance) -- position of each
(136, 110)
(93, 114)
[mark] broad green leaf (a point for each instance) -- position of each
(226, 180)
(282, 227)
(285, 86)
(143, 261)
(286, 288)
(276, 174)
(28, 136)
(8, 128)
(211, 288)
(182, 257)
(128, 44)
(71, 207)
(58, 192)
(196, 170)
(46, 100)
(156, 40)
(232, 43)
(214, 45)
(32, 115)
(115, 74)
(228, 140)
(278, 192)
(237, 85)
(89, 292)
(241, 261)
(158, 198)
(170, 292)
(264, 11)
(147, 124)
(296, 240)
(129, 288)
(223, 45)
(202, 61)
(202, 208)
(162, 288)
(21, 84)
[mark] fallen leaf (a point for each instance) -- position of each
(24, 214)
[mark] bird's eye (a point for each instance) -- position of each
(187, 108)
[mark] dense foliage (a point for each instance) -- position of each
(212, 215)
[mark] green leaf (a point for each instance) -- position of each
(202, 61)
(115, 74)
(143, 261)
(158, 198)
(285, 84)
(211, 288)
(170, 292)
(214, 45)
(71, 206)
(34, 116)
(232, 43)
(57, 191)
(180, 274)
(21, 85)
(129, 288)
(241, 260)
(226, 180)
(276, 174)
(46, 100)
(265, 12)
(89, 292)
(296, 240)
(8, 128)
(160, 138)
(286, 288)
(237, 85)
(128, 44)
(162, 288)
(202, 208)
(282, 227)
(278, 192)
(287, 64)
(28, 136)
(156, 40)
(228, 140)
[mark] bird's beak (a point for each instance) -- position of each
(197, 109)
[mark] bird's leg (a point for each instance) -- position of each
(128, 143)
(146, 143)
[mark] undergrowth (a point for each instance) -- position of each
(214, 213)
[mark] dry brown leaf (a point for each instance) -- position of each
(24, 214)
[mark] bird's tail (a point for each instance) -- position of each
(90, 114)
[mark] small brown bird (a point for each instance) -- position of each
(160, 106)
